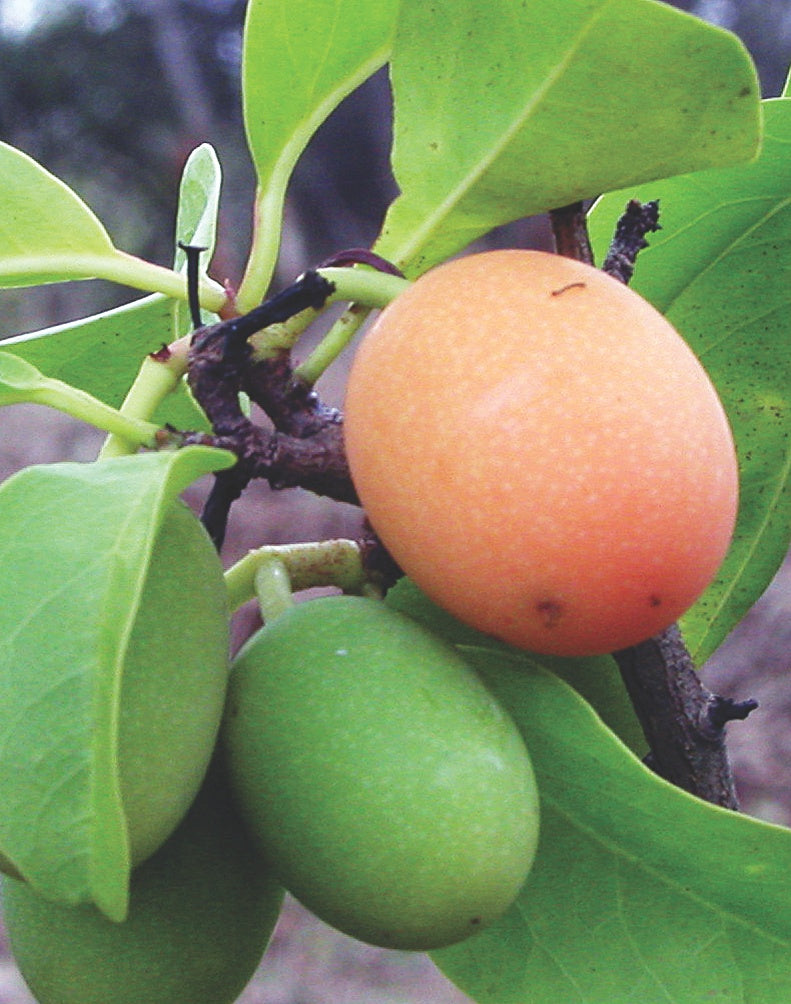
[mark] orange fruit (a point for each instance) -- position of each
(541, 452)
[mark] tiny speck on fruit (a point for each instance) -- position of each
(654, 600)
(566, 288)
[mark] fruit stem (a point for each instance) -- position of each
(364, 285)
(273, 588)
(309, 565)
(331, 345)
(159, 375)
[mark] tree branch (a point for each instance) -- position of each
(682, 721)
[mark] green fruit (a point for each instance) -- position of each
(387, 788)
(173, 684)
(202, 910)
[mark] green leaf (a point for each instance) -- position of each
(507, 109)
(640, 892)
(720, 269)
(48, 234)
(199, 203)
(299, 62)
(22, 382)
(76, 545)
(102, 354)
(46, 231)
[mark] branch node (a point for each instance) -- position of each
(721, 710)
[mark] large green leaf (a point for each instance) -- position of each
(300, 60)
(720, 269)
(76, 547)
(640, 892)
(48, 234)
(506, 109)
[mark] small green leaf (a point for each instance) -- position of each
(199, 203)
(720, 269)
(639, 892)
(503, 110)
(76, 545)
(300, 61)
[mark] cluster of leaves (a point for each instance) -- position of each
(501, 110)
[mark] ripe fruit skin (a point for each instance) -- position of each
(202, 910)
(174, 680)
(388, 790)
(541, 452)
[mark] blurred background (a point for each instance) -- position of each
(112, 96)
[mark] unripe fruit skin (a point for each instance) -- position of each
(174, 681)
(541, 452)
(201, 912)
(389, 791)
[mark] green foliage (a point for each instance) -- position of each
(506, 109)
(300, 61)
(201, 913)
(49, 234)
(101, 354)
(719, 269)
(78, 549)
